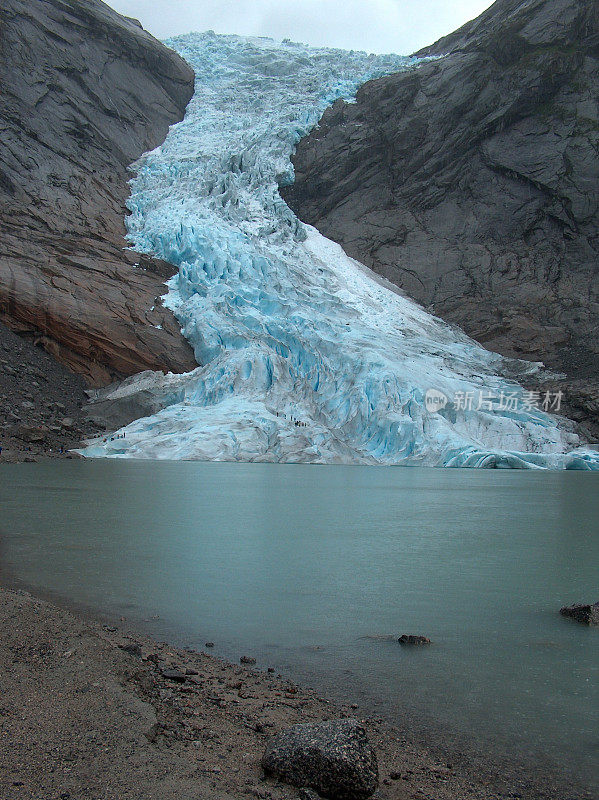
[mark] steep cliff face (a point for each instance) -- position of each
(473, 183)
(84, 93)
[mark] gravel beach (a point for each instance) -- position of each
(92, 711)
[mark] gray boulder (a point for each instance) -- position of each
(32, 434)
(334, 758)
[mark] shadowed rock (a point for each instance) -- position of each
(334, 758)
(473, 184)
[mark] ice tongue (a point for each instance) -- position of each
(304, 354)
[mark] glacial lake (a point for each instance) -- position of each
(316, 570)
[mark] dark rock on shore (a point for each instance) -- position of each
(472, 183)
(334, 758)
(409, 638)
(585, 614)
(132, 648)
(173, 675)
(85, 92)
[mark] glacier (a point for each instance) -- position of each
(303, 354)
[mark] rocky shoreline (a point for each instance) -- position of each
(96, 710)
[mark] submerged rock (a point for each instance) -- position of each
(334, 758)
(409, 638)
(586, 614)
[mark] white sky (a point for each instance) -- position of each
(378, 26)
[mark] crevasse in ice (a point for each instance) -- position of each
(305, 356)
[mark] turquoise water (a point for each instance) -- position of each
(317, 570)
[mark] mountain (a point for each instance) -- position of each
(300, 353)
(85, 92)
(473, 184)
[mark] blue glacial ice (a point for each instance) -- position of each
(304, 354)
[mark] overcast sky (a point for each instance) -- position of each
(379, 26)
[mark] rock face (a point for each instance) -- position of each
(334, 758)
(472, 183)
(116, 405)
(585, 614)
(84, 93)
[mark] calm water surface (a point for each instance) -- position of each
(317, 570)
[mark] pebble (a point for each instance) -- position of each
(173, 675)
(132, 648)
